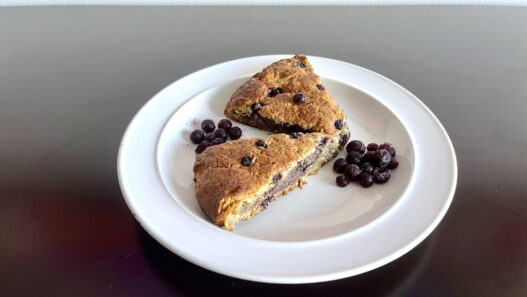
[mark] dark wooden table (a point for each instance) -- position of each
(72, 78)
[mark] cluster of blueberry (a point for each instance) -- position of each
(212, 136)
(367, 165)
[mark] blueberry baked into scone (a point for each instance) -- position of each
(238, 179)
(287, 96)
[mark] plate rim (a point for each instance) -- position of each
(305, 278)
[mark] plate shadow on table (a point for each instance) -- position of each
(187, 279)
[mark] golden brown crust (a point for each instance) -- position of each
(222, 182)
(318, 113)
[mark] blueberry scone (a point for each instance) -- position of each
(287, 96)
(237, 180)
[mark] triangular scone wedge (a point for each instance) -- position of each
(267, 102)
(238, 179)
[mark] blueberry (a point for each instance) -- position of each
(217, 141)
(393, 164)
(343, 139)
(261, 143)
(277, 177)
(352, 172)
(235, 132)
(382, 157)
(367, 167)
(275, 91)
(221, 133)
(342, 181)
(356, 146)
(368, 157)
(247, 161)
(389, 147)
(208, 126)
(294, 135)
(299, 98)
(224, 124)
(353, 158)
(257, 106)
(197, 136)
(366, 180)
(382, 176)
(376, 170)
(210, 137)
(201, 147)
(339, 165)
(339, 124)
(320, 87)
(300, 64)
(372, 147)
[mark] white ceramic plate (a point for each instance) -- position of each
(320, 233)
